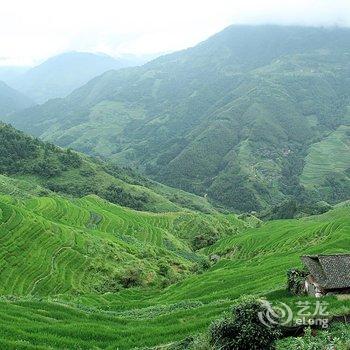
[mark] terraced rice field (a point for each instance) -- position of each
(330, 155)
(52, 245)
(49, 246)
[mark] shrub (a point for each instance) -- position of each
(132, 277)
(109, 285)
(296, 281)
(208, 235)
(118, 195)
(204, 240)
(201, 265)
(338, 337)
(243, 330)
(48, 167)
(70, 159)
(87, 172)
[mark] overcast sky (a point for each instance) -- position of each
(31, 31)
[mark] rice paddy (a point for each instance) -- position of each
(60, 260)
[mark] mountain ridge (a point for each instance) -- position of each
(40, 168)
(59, 75)
(233, 117)
(12, 100)
(95, 255)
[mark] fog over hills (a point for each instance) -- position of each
(61, 74)
(12, 100)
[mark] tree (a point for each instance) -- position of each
(296, 281)
(243, 329)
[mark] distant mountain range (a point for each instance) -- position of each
(10, 73)
(12, 100)
(60, 75)
(250, 117)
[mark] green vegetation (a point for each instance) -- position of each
(296, 281)
(327, 167)
(243, 329)
(86, 273)
(80, 272)
(247, 117)
(90, 245)
(338, 337)
(67, 172)
(95, 256)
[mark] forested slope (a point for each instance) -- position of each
(242, 117)
(64, 171)
(77, 271)
(59, 75)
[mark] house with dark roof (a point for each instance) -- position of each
(328, 274)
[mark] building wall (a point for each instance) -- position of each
(312, 287)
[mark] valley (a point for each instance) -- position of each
(71, 298)
(240, 115)
(141, 206)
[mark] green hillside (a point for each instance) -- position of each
(90, 245)
(64, 171)
(81, 249)
(94, 255)
(242, 117)
(77, 271)
(328, 163)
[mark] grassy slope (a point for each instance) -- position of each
(161, 198)
(88, 244)
(253, 262)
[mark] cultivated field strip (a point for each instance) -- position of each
(125, 319)
(58, 256)
(52, 245)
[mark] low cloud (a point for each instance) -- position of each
(30, 31)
